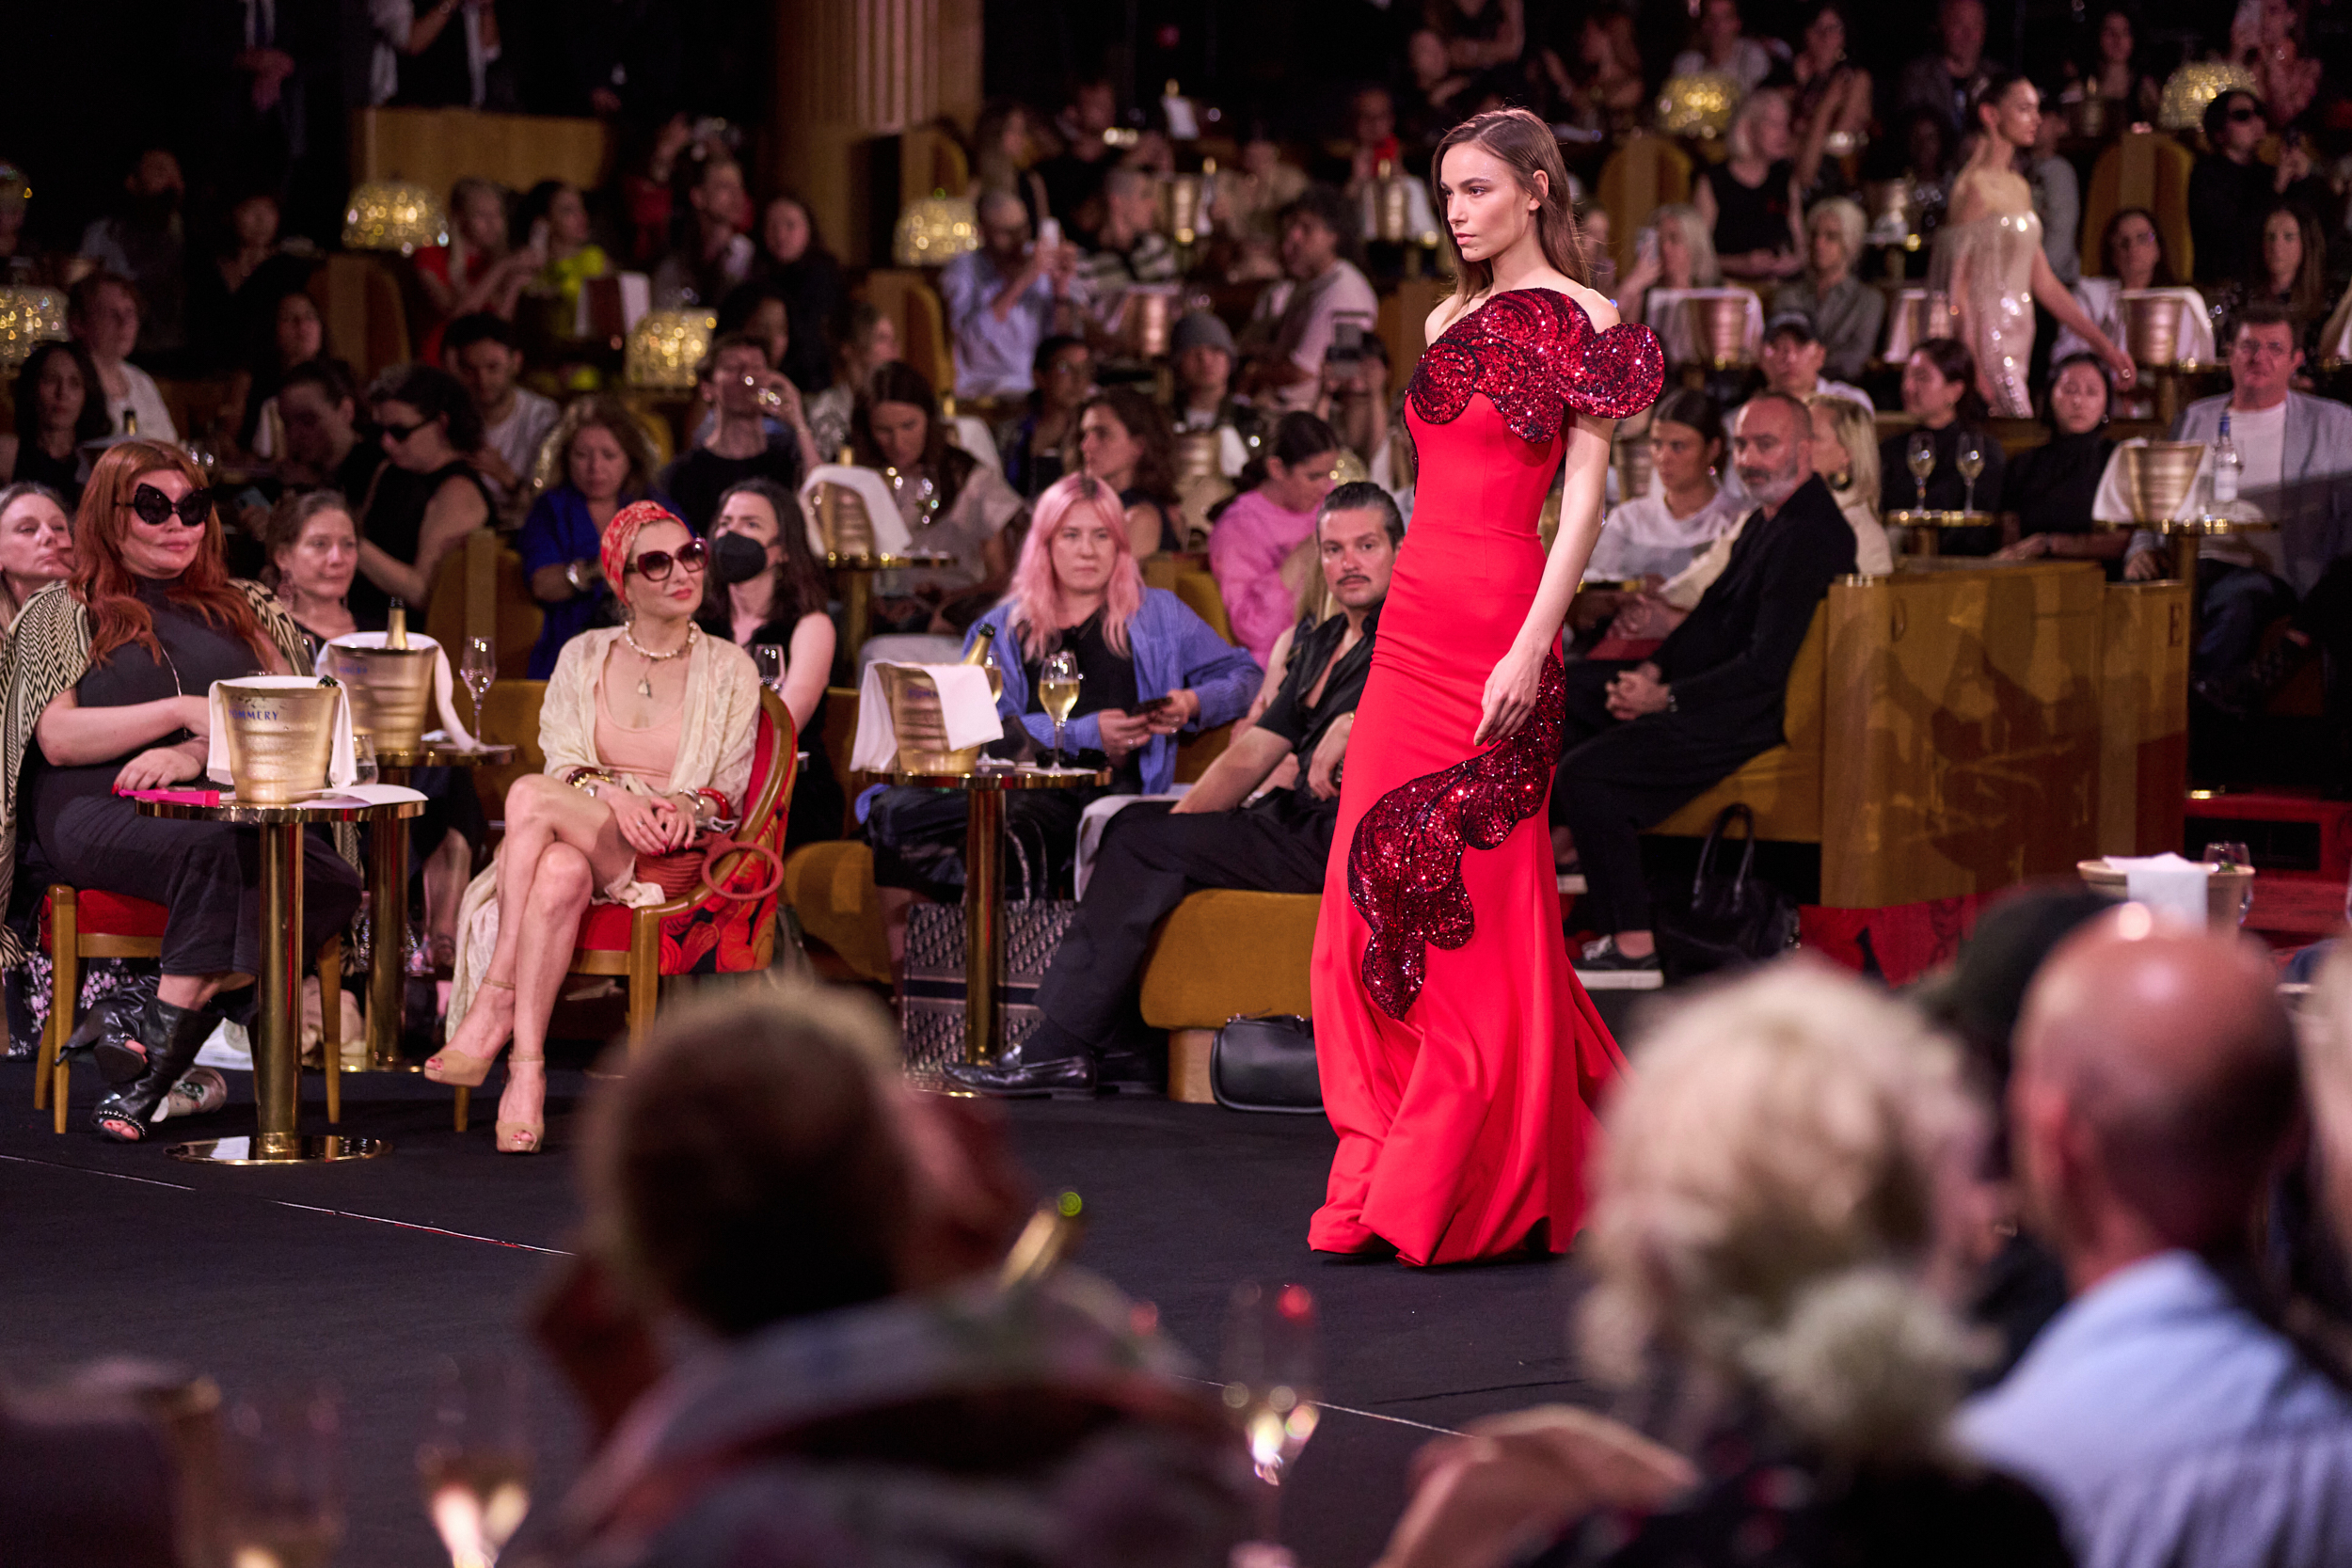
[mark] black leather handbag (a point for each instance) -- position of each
(1266, 1064)
(1733, 921)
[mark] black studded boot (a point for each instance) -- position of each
(172, 1036)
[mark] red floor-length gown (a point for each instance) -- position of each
(1460, 1058)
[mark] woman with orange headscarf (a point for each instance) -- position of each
(647, 728)
(109, 675)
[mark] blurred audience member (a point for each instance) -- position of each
(1831, 112)
(2057, 197)
(1433, 99)
(437, 54)
(103, 313)
(2113, 71)
(233, 293)
(880, 1396)
(36, 544)
(476, 271)
(1258, 532)
(1073, 176)
(1003, 150)
(2288, 269)
(1006, 297)
(312, 554)
(2153, 1095)
(949, 501)
(2230, 189)
(862, 341)
(1373, 141)
(1203, 348)
(1292, 325)
(2135, 258)
(1124, 441)
(294, 335)
(1846, 455)
(1947, 79)
(625, 59)
(58, 407)
(1248, 202)
(1482, 35)
(484, 352)
(1658, 535)
(1724, 48)
(1605, 93)
(738, 385)
(793, 260)
(786, 603)
(1037, 446)
(428, 498)
(1794, 356)
(603, 462)
(714, 253)
(145, 244)
(1128, 248)
(1353, 400)
(1940, 394)
(554, 217)
(2053, 486)
(319, 408)
(16, 258)
(1749, 201)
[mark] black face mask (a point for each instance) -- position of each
(736, 559)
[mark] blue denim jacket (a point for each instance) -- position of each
(1173, 649)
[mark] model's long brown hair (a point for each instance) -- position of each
(1526, 144)
(103, 583)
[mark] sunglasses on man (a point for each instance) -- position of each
(654, 565)
(155, 508)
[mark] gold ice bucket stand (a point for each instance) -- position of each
(280, 739)
(1719, 331)
(920, 727)
(391, 693)
(2157, 478)
(842, 521)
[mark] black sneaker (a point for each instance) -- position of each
(1601, 967)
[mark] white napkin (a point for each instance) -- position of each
(890, 530)
(2166, 884)
(970, 713)
(342, 766)
(444, 684)
(1096, 820)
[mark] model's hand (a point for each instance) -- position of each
(2126, 372)
(2142, 566)
(1638, 692)
(1122, 734)
(1323, 768)
(156, 768)
(1510, 697)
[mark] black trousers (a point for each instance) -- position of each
(1619, 777)
(207, 874)
(1150, 860)
(918, 835)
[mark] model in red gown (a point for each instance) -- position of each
(1460, 1058)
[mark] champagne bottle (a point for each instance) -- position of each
(396, 626)
(983, 644)
(2228, 465)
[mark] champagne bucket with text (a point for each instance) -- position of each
(841, 519)
(1719, 330)
(2156, 477)
(391, 692)
(280, 739)
(2152, 326)
(920, 728)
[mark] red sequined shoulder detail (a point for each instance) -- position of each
(1535, 353)
(1405, 864)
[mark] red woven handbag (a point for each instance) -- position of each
(677, 873)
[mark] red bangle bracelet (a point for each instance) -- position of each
(718, 801)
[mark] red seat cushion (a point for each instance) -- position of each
(113, 914)
(606, 929)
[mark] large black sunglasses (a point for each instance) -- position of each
(155, 508)
(654, 565)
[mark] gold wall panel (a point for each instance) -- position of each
(2143, 752)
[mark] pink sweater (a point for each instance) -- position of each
(1247, 551)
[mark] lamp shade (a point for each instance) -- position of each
(393, 214)
(2187, 90)
(665, 346)
(1700, 105)
(29, 314)
(934, 230)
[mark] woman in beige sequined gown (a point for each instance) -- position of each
(1988, 267)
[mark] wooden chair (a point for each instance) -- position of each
(479, 591)
(1644, 174)
(909, 300)
(366, 324)
(642, 945)
(78, 924)
(2144, 169)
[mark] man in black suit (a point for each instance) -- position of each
(1645, 739)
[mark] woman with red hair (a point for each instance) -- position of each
(109, 680)
(1149, 670)
(647, 728)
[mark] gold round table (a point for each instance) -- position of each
(387, 898)
(1923, 532)
(2183, 536)
(855, 575)
(277, 1033)
(984, 880)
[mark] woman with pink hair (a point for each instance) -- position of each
(1150, 671)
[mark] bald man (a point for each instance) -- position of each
(1005, 297)
(2155, 1084)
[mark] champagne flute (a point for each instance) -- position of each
(1920, 457)
(2230, 855)
(1269, 1366)
(1057, 692)
(474, 1461)
(363, 763)
(1969, 460)
(768, 658)
(282, 1504)
(479, 669)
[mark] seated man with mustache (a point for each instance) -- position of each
(1645, 739)
(1154, 853)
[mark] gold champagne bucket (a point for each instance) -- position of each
(1719, 330)
(2086, 116)
(1634, 467)
(1391, 208)
(391, 692)
(1198, 455)
(280, 739)
(1180, 207)
(841, 518)
(2156, 477)
(919, 726)
(1147, 322)
(2152, 326)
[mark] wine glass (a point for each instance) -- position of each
(2232, 855)
(1269, 1366)
(473, 1463)
(364, 770)
(768, 658)
(1969, 460)
(282, 1459)
(1057, 692)
(1920, 457)
(478, 669)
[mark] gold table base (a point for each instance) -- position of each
(278, 1148)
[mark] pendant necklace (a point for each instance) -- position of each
(644, 682)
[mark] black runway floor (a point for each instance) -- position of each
(364, 1273)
